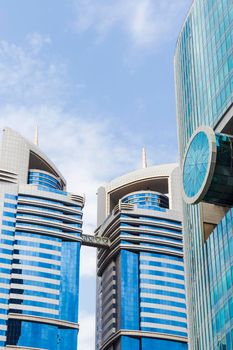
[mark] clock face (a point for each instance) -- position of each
(199, 162)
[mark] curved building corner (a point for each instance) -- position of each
(140, 284)
(41, 225)
(204, 95)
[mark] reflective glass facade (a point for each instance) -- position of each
(141, 290)
(204, 66)
(204, 89)
(39, 261)
(147, 200)
(196, 164)
(219, 256)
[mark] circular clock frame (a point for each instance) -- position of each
(212, 149)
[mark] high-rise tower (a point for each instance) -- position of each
(41, 225)
(140, 283)
(204, 89)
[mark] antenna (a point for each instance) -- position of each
(144, 158)
(36, 137)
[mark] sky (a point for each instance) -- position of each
(97, 78)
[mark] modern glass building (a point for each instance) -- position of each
(204, 89)
(41, 225)
(140, 284)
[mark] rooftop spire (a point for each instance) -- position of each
(144, 158)
(36, 137)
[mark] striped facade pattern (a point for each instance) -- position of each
(40, 238)
(6, 255)
(162, 294)
(147, 250)
(30, 254)
(108, 297)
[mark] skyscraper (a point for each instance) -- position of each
(204, 89)
(41, 225)
(140, 283)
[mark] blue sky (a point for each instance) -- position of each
(96, 76)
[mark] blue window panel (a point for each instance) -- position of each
(5, 280)
(160, 344)
(161, 229)
(6, 251)
(162, 292)
(37, 244)
(34, 313)
(3, 311)
(33, 303)
(32, 272)
(39, 254)
(42, 336)
(129, 267)
(34, 293)
(69, 290)
(162, 312)
(34, 235)
(46, 180)
(6, 241)
(163, 246)
(128, 343)
(161, 264)
(10, 196)
(35, 263)
(163, 302)
(4, 290)
(159, 321)
(166, 221)
(161, 238)
(42, 188)
(33, 283)
(67, 339)
(43, 227)
(8, 223)
(26, 206)
(6, 261)
(3, 322)
(43, 183)
(228, 340)
(10, 205)
(164, 256)
(7, 232)
(51, 201)
(26, 216)
(9, 214)
(3, 301)
(4, 270)
(161, 273)
(165, 331)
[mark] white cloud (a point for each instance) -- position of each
(146, 22)
(26, 78)
(88, 150)
(87, 329)
(37, 41)
(88, 153)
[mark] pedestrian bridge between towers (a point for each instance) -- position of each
(95, 241)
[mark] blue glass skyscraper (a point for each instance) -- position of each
(140, 285)
(204, 89)
(41, 225)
